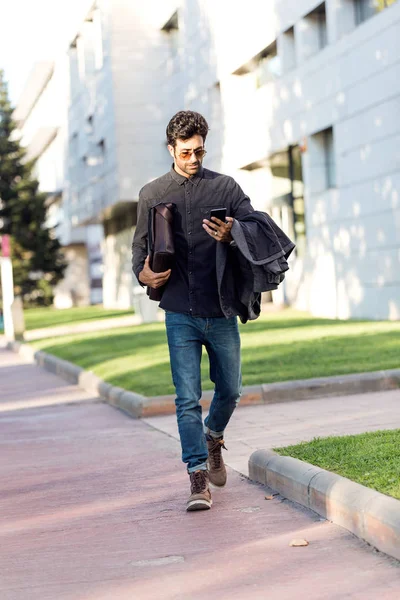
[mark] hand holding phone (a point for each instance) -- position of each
(220, 232)
(219, 213)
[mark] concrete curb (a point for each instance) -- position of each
(141, 406)
(367, 513)
(340, 385)
(135, 405)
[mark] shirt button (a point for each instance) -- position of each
(189, 232)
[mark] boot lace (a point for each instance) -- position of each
(199, 481)
(215, 453)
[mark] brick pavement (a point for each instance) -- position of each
(92, 508)
(273, 425)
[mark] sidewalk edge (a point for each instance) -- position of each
(368, 514)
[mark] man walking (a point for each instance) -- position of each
(191, 298)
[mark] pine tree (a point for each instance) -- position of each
(38, 262)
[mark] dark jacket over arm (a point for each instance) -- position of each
(257, 264)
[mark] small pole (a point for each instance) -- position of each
(7, 286)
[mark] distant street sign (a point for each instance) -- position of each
(7, 286)
(5, 246)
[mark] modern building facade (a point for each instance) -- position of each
(116, 116)
(302, 98)
(320, 98)
(41, 116)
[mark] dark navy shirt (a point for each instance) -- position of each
(192, 286)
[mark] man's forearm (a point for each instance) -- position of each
(139, 242)
(138, 257)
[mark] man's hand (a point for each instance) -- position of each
(219, 230)
(151, 279)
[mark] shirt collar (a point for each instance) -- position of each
(180, 179)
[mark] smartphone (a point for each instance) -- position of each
(220, 213)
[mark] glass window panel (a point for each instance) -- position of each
(365, 9)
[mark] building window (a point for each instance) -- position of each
(368, 8)
(97, 155)
(322, 160)
(315, 23)
(268, 65)
(89, 125)
(74, 149)
(265, 66)
(288, 193)
(74, 79)
(101, 146)
(83, 165)
(171, 29)
(172, 24)
(288, 50)
(277, 186)
(329, 157)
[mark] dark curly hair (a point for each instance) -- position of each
(184, 125)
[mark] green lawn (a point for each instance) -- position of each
(372, 459)
(277, 347)
(38, 318)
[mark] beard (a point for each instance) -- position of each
(189, 169)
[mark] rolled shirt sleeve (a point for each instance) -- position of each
(139, 242)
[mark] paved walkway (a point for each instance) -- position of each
(92, 508)
(274, 425)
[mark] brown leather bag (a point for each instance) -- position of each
(161, 247)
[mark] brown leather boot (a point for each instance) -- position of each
(216, 465)
(200, 497)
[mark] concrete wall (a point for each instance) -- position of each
(117, 279)
(353, 228)
(74, 289)
(139, 51)
(120, 288)
(50, 166)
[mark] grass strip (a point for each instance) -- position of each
(372, 459)
(277, 347)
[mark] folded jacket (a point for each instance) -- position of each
(257, 264)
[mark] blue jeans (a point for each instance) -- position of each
(186, 336)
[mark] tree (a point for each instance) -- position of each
(38, 261)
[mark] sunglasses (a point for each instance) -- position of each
(186, 154)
